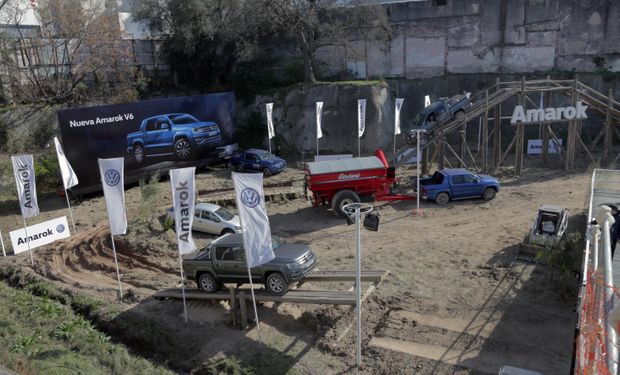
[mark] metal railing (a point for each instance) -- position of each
(596, 350)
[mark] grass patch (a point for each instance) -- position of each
(42, 335)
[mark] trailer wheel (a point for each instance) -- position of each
(341, 199)
(489, 194)
(442, 198)
(267, 172)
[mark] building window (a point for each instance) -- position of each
(439, 3)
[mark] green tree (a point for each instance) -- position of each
(75, 54)
(205, 40)
(315, 23)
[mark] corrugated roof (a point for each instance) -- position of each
(345, 165)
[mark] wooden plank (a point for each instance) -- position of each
(455, 155)
(366, 276)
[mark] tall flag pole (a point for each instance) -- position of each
(361, 123)
(255, 223)
(270, 131)
(183, 183)
(23, 169)
(398, 105)
(112, 176)
(69, 178)
(319, 131)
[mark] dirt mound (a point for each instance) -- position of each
(146, 262)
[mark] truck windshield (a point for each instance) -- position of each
(266, 155)
(223, 214)
(182, 119)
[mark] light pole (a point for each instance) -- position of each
(357, 209)
(418, 157)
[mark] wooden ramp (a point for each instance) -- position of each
(238, 297)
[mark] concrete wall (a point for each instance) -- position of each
(492, 36)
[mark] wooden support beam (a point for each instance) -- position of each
(463, 143)
(569, 162)
(244, 310)
(508, 149)
(545, 131)
(607, 146)
(456, 155)
(520, 133)
(441, 150)
(446, 161)
(485, 133)
(497, 134)
(597, 138)
(233, 302)
(425, 160)
(586, 149)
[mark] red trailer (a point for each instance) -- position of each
(339, 182)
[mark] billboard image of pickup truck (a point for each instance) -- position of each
(152, 135)
(179, 135)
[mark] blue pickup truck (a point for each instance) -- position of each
(451, 184)
(258, 160)
(176, 134)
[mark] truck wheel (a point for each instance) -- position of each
(460, 115)
(138, 154)
(207, 283)
(267, 172)
(442, 198)
(341, 199)
(276, 284)
(182, 149)
(239, 168)
(489, 194)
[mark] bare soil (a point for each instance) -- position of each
(456, 300)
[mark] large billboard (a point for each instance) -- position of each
(152, 135)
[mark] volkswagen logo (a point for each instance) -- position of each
(250, 197)
(112, 177)
(60, 228)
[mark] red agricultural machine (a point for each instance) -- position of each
(344, 181)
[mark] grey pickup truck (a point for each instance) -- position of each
(223, 261)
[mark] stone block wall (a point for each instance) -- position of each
(490, 36)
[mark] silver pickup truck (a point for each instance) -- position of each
(223, 261)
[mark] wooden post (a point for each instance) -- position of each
(520, 133)
(463, 144)
(545, 131)
(425, 160)
(442, 150)
(243, 307)
(485, 133)
(497, 134)
(569, 164)
(233, 302)
(607, 136)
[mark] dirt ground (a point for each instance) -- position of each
(456, 300)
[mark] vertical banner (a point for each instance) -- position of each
(69, 179)
(183, 199)
(23, 169)
(112, 181)
(399, 105)
(361, 117)
(270, 129)
(254, 220)
(319, 114)
(427, 100)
